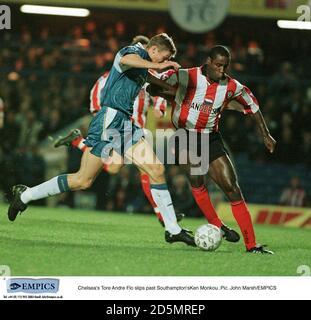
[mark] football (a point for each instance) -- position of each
(208, 237)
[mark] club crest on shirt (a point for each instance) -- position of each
(229, 94)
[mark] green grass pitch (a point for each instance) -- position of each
(64, 242)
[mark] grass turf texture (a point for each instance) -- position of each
(66, 242)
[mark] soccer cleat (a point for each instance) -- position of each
(260, 249)
(66, 141)
(229, 234)
(16, 204)
(183, 236)
(179, 217)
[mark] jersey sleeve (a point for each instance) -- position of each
(245, 98)
(170, 76)
(123, 52)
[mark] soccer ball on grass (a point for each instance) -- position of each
(208, 237)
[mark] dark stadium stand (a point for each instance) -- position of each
(46, 75)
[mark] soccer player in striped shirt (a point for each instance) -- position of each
(111, 132)
(140, 110)
(202, 94)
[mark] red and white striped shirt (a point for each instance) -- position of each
(95, 93)
(199, 102)
(141, 103)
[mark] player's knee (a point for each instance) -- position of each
(233, 191)
(85, 183)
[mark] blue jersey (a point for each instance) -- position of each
(124, 82)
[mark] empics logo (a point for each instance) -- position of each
(33, 285)
(5, 17)
(14, 286)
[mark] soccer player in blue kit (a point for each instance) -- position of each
(111, 131)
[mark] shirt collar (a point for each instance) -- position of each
(140, 45)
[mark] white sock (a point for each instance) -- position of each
(44, 190)
(163, 200)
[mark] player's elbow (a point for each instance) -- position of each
(123, 60)
(127, 60)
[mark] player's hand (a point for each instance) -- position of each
(269, 142)
(157, 113)
(169, 65)
(156, 91)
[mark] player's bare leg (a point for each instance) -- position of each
(75, 139)
(114, 163)
(223, 173)
(81, 180)
(113, 166)
(142, 155)
(90, 167)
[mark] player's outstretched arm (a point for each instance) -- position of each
(267, 138)
(135, 61)
(157, 91)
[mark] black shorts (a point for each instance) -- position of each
(198, 144)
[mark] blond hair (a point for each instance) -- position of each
(164, 42)
(140, 38)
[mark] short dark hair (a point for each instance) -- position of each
(164, 42)
(140, 38)
(219, 50)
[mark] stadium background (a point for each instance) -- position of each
(48, 64)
